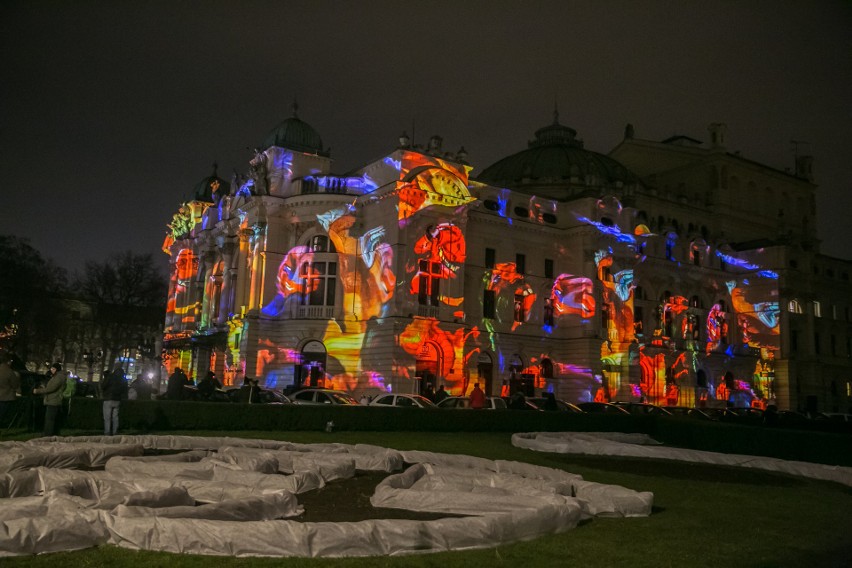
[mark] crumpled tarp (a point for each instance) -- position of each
(643, 446)
(231, 496)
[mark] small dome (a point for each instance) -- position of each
(211, 188)
(295, 134)
(555, 156)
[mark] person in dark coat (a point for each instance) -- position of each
(440, 394)
(52, 392)
(208, 385)
(113, 391)
(177, 380)
(249, 391)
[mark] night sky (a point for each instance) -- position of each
(111, 112)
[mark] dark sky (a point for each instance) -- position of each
(111, 112)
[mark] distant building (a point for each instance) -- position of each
(673, 272)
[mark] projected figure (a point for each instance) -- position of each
(442, 253)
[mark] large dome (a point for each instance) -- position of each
(554, 157)
(295, 134)
(211, 187)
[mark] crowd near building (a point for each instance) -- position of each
(670, 272)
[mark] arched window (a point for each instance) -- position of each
(794, 306)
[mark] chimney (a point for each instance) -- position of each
(805, 167)
(717, 134)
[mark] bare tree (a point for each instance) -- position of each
(31, 308)
(129, 295)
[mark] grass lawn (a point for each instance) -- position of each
(703, 516)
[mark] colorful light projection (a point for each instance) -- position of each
(180, 301)
(426, 181)
(758, 317)
(573, 295)
(503, 276)
(441, 253)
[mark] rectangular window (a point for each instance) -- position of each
(520, 263)
(817, 309)
(833, 345)
(490, 255)
(519, 308)
(489, 301)
(548, 268)
(638, 318)
(816, 344)
(834, 311)
(794, 341)
(428, 286)
(696, 258)
(320, 283)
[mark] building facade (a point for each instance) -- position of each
(669, 272)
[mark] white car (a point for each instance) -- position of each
(403, 400)
(322, 396)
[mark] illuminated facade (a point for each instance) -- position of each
(597, 277)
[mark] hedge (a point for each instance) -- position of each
(166, 415)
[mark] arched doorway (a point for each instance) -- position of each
(312, 369)
(426, 368)
(485, 373)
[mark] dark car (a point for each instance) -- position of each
(643, 409)
(689, 412)
(259, 396)
(601, 408)
(540, 402)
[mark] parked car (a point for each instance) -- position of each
(747, 415)
(540, 402)
(601, 407)
(793, 419)
(403, 400)
(642, 408)
(491, 402)
(690, 412)
(840, 417)
(260, 396)
(322, 396)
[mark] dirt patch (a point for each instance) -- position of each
(349, 501)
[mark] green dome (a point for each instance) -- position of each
(554, 157)
(295, 134)
(211, 188)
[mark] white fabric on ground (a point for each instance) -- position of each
(642, 446)
(230, 496)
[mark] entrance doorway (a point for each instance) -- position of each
(484, 373)
(312, 369)
(426, 368)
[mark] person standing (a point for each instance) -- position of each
(113, 391)
(477, 397)
(208, 386)
(10, 382)
(177, 381)
(52, 392)
(440, 394)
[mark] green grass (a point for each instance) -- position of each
(703, 516)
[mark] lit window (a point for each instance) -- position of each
(794, 307)
(519, 308)
(817, 309)
(428, 283)
(320, 283)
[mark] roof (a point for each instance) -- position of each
(555, 156)
(295, 134)
(211, 186)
